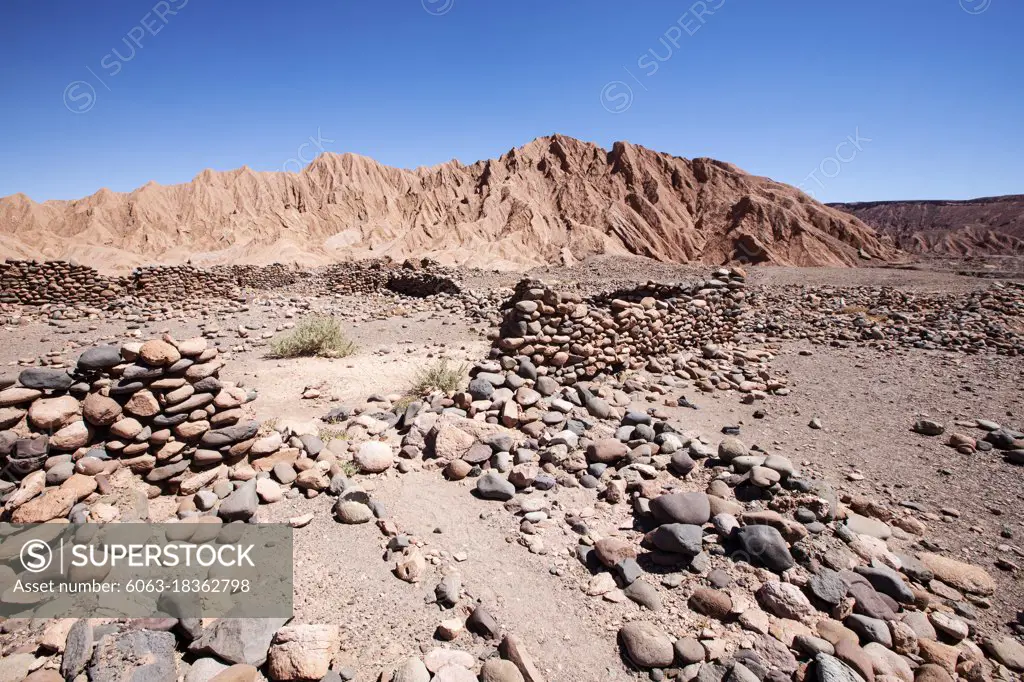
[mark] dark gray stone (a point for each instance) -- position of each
(45, 379)
(99, 358)
(136, 656)
(887, 581)
(231, 434)
(482, 623)
(681, 463)
(491, 486)
(679, 538)
(831, 669)
(241, 504)
(141, 373)
(689, 508)
(481, 389)
(766, 545)
(77, 649)
(828, 586)
(870, 629)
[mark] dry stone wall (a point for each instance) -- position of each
(39, 283)
(32, 283)
(578, 338)
(170, 283)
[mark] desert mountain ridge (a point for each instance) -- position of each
(972, 227)
(554, 200)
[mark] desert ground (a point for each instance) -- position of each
(840, 408)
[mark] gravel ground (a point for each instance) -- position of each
(867, 402)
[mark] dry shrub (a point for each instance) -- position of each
(318, 335)
(440, 375)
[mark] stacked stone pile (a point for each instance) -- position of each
(155, 408)
(990, 320)
(32, 283)
(576, 338)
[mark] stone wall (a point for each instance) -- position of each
(577, 338)
(176, 282)
(32, 283)
(35, 283)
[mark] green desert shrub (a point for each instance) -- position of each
(440, 375)
(318, 335)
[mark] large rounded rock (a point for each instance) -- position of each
(241, 504)
(646, 645)
(50, 414)
(411, 670)
(126, 428)
(606, 451)
(100, 410)
(18, 395)
(499, 670)
(689, 508)
(374, 457)
(73, 436)
(730, 448)
(157, 353)
(302, 652)
(784, 600)
(966, 577)
(352, 512)
(45, 379)
(712, 603)
(491, 486)
(142, 404)
(481, 389)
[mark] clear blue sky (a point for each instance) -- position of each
(773, 87)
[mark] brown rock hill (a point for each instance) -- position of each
(991, 226)
(554, 200)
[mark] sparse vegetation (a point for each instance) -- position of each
(318, 335)
(404, 402)
(327, 433)
(441, 375)
(267, 426)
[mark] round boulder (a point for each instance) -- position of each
(157, 353)
(374, 457)
(100, 410)
(646, 645)
(50, 414)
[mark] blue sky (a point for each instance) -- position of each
(113, 93)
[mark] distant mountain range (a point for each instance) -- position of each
(977, 227)
(554, 200)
